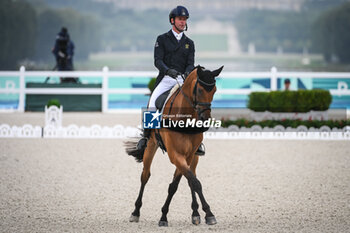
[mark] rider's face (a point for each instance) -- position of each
(180, 23)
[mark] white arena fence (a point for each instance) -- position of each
(53, 129)
(126, 132)
(106, 75)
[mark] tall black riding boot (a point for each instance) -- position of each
(201, 150)
(142, 144)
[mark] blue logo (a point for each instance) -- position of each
(151, 119)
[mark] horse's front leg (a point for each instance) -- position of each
(163, 222)
(146, 173)
(196, 218)
(195, 186)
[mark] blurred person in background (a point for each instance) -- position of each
(287, 84)
(63, 51)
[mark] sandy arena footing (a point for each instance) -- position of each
(90, 185)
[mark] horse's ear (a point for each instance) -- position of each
(217, 72)
(199, 71)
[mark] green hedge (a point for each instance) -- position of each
(53, 102)
(151, 84)
(290, 101)
(286, 123)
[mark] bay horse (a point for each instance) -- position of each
(192, 99)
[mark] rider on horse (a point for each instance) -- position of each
(173, 57)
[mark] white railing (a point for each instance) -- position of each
(95, 131)
(105, 74)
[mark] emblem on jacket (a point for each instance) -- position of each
(187, 46)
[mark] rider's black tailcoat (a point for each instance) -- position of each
(169, 53)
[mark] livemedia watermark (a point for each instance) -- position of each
(154, 119)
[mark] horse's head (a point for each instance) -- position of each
(203, 87)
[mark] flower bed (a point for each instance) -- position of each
(286, 123)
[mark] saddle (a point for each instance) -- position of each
(160, 101)
(163, 98)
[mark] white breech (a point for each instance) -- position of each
(166, 84)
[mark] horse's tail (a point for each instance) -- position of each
(131, 149)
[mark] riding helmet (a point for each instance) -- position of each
(178, 11)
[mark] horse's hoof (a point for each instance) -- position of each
(134, 218)
(196, 220)
(210, 220)
(163, 223)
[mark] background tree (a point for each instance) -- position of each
(269, 30)
(289, 30)
(331, 34)
(17, 34)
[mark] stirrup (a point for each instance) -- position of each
(201, 150)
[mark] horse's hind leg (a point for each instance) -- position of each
(171, 191)
(146, 173)
(196, 219)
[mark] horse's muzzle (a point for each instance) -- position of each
(204, 114)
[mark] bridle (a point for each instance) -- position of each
(196, 103)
